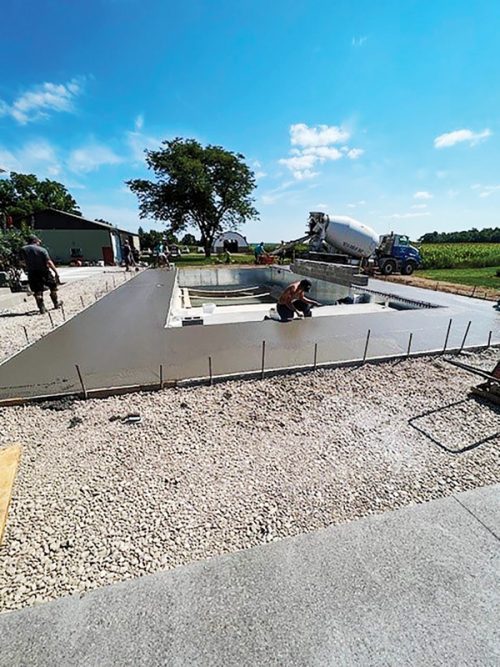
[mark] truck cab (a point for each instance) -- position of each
(395, 254)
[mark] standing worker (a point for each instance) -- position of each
(294, 301)
(38, 266)
(259, 252)
(127, 256)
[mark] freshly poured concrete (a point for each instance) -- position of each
(419, 586)
(121, 340)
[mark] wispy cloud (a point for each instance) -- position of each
(418, 207)
(486, 190)
(361, 202)
(38, 156)
(42, 99)
(406, 216)
(449, 139)
(312, 146)
(422, 194)
(91, 157)
(138, 141)
(358, 41)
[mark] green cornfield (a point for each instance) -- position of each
(459, 255)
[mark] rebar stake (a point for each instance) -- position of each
(82, 301)
(211, 380)
(81, 381)
(409, 345)
(263, 359)
(465, 336)
(50, 318)
(161, 376)
(315, 355)
(366, 345)
(26, 334)
(489, 338)
(63, 313)
(447, 336)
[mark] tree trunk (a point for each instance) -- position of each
(207, 244)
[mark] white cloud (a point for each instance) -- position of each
(361, 202)
(91, 157)
(418, 206)
(38, 157)
(320, 135)
(139, 122)
(313, 145)
(41, 99)
(486, 190)
(354, 153)
(358, 41)
(259, 175)
(458, 136)
(138, 142)
(405, 216)
(452, 193)
(422, 194)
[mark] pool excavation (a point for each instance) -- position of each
(167, 328)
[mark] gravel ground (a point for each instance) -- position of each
(217, 469)
(25, 314)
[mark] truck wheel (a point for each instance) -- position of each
(389, 267)
(408, 268)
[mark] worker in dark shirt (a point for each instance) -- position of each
(41, 272)
(127, 256)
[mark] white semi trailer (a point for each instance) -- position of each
(342, 235)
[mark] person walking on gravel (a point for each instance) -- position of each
(41, 271)
(294, 301)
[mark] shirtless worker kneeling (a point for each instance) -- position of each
(38, 268)
(294, 301)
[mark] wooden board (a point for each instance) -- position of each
(9, 461)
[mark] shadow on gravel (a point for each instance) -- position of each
(28, 313)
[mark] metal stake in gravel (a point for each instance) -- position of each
(28, 340)
(82, 301)
(210, 381)
(409, 345)
(465, 336)
(366, 345)
(263, 359)
(447, 336)
(114, 283)
(50, 318)
(161, 376)
(81, 381)
(315, 356)
(63, 313)
(489, 338)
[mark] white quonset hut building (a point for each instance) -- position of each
(231, 241)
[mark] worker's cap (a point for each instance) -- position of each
(33, 239)
(305, 285)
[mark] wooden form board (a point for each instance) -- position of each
(9, 461)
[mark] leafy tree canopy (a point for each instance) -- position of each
(199, 186)
(488, 235)
(189, 239)
(21, 195)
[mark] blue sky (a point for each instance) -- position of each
(385, 111)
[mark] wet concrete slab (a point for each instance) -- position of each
(121, 340)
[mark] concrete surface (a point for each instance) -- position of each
(9, 461)
(121, 340)
(414, 587)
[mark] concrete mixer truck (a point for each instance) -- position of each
(343, 239)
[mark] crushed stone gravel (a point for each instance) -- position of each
(210, 470)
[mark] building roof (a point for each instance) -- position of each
(52, 218)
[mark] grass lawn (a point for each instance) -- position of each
(199, 260)
(485, 277)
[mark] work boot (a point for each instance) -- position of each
(41, 305)
(55, 301)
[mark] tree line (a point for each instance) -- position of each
(487, 235)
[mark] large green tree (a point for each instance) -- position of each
(199, 186)
(21, 195)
